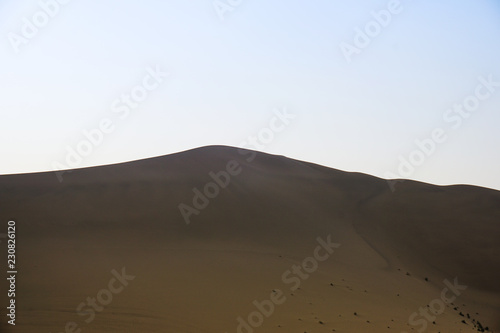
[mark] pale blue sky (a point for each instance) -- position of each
(227, 76)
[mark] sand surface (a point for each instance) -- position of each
(395, 249)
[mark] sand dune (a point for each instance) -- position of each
(117, 231)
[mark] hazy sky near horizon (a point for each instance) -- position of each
(361, 91)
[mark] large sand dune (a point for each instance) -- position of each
(393, 251)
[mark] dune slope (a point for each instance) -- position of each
(159, 257)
